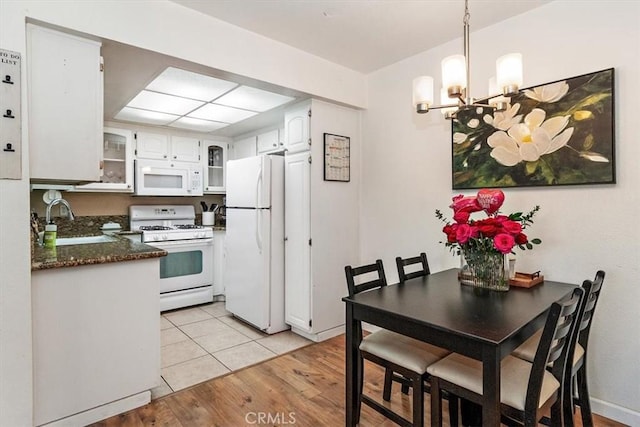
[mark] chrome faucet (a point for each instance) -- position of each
(55, 202)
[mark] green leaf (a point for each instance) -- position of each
(529, 246)
(536, 241)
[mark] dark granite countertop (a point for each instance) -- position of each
(123, 249)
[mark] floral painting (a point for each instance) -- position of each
(560, 133)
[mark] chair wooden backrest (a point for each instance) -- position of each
(402, 263)
(591, 294)
(351, 273)
(555, 344)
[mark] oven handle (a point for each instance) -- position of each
(180, 243)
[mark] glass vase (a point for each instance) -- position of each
(485, 269)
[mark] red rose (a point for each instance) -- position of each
(521, 239)
(512, 227)
(461, 217)
(488, 230)
(463, 233)
(504, 242)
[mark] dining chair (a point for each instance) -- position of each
(577, 369)
(394, 352)
(403, 263)
(527, 390)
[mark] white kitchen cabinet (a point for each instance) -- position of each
(218, 262)
(117, 174)
(65, 99)
(244, 147)
(268, 142)
(321, 228)
(151, 146)
(185, 149)
(96, 340)
(297, 122)
(215, 156)
(297, 240)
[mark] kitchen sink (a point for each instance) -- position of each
(64, 241)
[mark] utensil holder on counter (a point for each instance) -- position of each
(208, 218)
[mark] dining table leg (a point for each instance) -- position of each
(490, 387)
(351, 369)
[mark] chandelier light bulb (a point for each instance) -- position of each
(422, 93)
(509, 73)
(454, 75)
(445, 100)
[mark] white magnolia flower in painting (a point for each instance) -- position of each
(530, 140)
(548, 93)
(503, 120)
(473, 123)
(459, 137)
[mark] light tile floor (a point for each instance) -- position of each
(204, 342)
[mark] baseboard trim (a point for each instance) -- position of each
(615, 412)
(319, 336)
(102, 412)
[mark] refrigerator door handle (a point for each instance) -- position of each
(258, 236)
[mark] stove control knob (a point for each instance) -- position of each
(165, 237)
(156, 237)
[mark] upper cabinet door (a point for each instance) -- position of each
(152, 146)
(269, 141)
(215, 158)
(65, 99)
(296, 128)
(117, 175)
(185, 149)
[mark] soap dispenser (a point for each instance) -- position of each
(50, 232)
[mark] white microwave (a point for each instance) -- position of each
(167, 178)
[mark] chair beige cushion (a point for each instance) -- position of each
(402, 350)
(514, 378)
(527, 351)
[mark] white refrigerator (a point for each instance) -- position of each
(254, 260)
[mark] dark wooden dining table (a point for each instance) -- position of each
(482, 324)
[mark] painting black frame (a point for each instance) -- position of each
(587, 158)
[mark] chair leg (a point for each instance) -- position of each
(360, 375)
(556, 415)
(388, 380)
(436, 403)
(566, 398)
(418, 401)
(453, 410)
(583, 397)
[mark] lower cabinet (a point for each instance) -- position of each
(96, 340)
(218, 262)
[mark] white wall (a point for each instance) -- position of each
(157, 25)
(407, 175)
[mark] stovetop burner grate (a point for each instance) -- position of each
(154, 227)
(188, 226)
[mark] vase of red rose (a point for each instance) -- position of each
(484, 244)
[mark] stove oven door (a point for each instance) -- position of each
(188, 264)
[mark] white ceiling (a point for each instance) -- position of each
(363, 35)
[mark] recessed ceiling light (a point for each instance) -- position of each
(175, 81)
(220, 113)
(197, 124)
(164, 103)
(145, 116)
(253, 99)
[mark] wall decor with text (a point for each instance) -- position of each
(337, 163)
(560, 133)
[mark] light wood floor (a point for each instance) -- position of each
(303, 388)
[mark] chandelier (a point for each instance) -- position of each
(455, 82)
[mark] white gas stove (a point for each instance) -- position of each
(167, 223)
(186, 273)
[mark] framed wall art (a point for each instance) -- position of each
(559, 133)
(337, 162)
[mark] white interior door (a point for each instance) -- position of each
(247, 283)
(297, 241)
